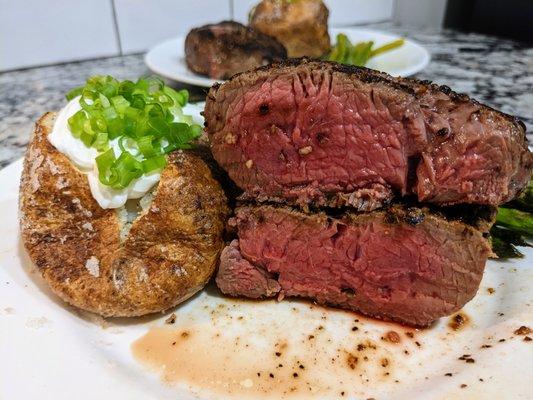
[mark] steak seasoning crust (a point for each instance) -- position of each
(224, 49)
(319, 133)
(114, 262)
(401, 264)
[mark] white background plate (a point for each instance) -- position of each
(50, 351)
(168, 58)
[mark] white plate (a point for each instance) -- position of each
(404, 61)
(50, 351)
(168, 58)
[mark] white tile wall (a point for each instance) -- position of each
(341, 12)
(144, 23)
(420, 13)
(37, 32)
(241, 8)
(349, 12)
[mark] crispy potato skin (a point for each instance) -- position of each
(170, 252)
(301, 26)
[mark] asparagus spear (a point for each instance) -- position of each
(515, 220)
(504, 242)
(513, 223)
(360, 53)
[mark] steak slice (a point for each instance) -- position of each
(323, 134)
(404, 264)
(224, 49)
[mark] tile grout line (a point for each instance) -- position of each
(395, 10)
(115, 26)
(231, 10)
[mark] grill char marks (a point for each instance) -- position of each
(341, 135)
(224, 49)
(334, 140)
(404, 264)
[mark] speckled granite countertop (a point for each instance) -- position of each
(495, 71)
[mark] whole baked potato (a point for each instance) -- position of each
(300, 25)
(139, 259)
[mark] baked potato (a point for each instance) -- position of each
(139, 259)
(300, 25)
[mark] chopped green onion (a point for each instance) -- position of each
(76, 123)
(74, 93)
(120, 104)
(101, 142)
(145, 115)
(154, 163)
(147, 147)
(127, 169)
(105, 162)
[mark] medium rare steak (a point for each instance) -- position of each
(224, 49)
(404, 264)
(320, 133)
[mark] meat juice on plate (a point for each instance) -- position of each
(228, 348)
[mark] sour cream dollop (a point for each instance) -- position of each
(83, 158)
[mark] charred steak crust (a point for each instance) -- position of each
(319, 133)
(403, 264)
(224, 49)
(413, 86)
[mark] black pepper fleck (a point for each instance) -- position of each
(443, 132)
(263, 109)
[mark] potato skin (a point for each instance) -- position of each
(170, 252)
(300, 25)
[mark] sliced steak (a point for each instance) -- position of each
(403, 264)
(224, 49)
(312, 132)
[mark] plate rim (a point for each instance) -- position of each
(202, 81)
(61, 328)
(154, 67)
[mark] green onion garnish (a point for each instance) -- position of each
(145, 116)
